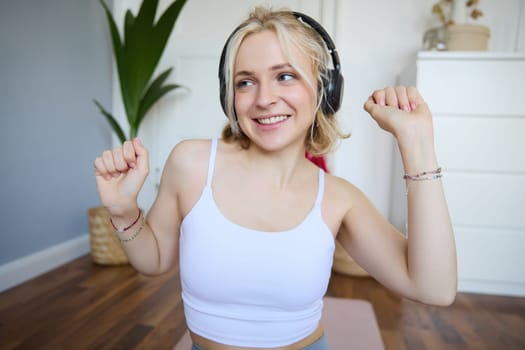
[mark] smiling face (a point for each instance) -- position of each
(274, 104)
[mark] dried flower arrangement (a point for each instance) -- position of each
(443, 10)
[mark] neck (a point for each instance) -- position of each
(279, 168)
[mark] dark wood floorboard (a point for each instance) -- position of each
(85, 306)
(473, 321)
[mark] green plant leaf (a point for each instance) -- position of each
(147, 11)
(138, 54)
(112, 121)
(129, 24)
(165, 25)
(147, 99)
(155, 91)
(147, 48)
(120, 59)
(151, 97)
(137, 46)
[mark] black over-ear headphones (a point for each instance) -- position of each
(333, 84)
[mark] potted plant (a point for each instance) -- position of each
(136, 55)
(461, 35)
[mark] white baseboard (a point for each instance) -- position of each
(23, 269)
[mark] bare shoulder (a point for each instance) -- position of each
(188, 151)
(337, 185)
(185, 171)
(341, 195)
(188, 162)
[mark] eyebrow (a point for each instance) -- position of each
(272, 68)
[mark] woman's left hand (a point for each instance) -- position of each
(401, 111)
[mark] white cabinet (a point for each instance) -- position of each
(478, 104)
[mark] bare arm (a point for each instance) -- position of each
(151, 245)
(423, 266)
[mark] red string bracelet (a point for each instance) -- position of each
(128, 227)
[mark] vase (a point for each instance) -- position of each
(467, 37)
(435, 39)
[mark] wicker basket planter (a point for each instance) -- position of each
(105, 246)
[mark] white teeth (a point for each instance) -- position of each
(272, 120)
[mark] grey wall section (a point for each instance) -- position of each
(55, 56)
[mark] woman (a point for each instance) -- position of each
(255, 221)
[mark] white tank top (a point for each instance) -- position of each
(251, 288)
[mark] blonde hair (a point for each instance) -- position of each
(324, 132)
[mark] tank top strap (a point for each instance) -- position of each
(211, 164)
(320, 189)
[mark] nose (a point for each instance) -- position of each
(266, 94)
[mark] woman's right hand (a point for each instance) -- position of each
(120, 174)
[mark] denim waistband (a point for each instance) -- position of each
(195, 347)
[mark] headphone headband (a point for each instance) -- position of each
(324, 35)
(332, 85)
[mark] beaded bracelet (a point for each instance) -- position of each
(423, 176)
(127, 227)
(434, 174)
(427, 177)
(132, 237)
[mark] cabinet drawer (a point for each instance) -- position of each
(477, 249)
(486, 144)
(460, 86)
(486, 200)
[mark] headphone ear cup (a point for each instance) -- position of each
(222, 79)
(333, 94)
(222, 94)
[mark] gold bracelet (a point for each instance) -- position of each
(135, 234)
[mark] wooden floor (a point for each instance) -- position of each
(85, 306)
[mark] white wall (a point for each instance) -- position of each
(54, 58)
(377, 39)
